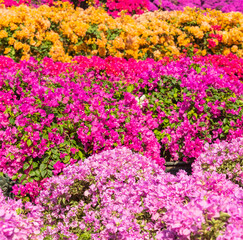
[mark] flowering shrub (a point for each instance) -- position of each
(10, 3)
(49, 121)
(223, 157)
(18, 221)
(121, 195)
(231, 64)
(163, 94)
(61, 33)
(54, 114)
(193, 104)
(223, 5)
(114, 7)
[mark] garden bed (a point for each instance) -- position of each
(121, 127)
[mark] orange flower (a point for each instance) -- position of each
(7, 50)
(3, 34)
(234, 48)
(11, 41)
(18, 45)
(13, 26)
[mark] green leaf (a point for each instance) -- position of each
(66, 159)
(49, 173)
(35, 164)
(120, 130)
(43, 166)
(37, 173)
(32, 173)
(174, 81)
(224, 215)
(12, 157)
(61, 129)
(12, 120)
(45, 136)
(29, 142)
(225, 121)
(22, 177)
(46, 159)
(130, 88)
(127, 120)
(198, 70)
(43, 173)
(15, 177)
(26, 166)
(80, 154)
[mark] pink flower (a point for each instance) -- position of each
(62, 155)
(73, 150)
(58, 166)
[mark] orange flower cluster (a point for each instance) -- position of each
(61, 32)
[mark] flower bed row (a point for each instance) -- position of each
(223, 5)
(54, 114)
(121, 195)
(62, 33)
(114, 7)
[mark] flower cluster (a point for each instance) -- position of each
(61, 32)
(114, 7)
(170, 95)
(231, 64)
(223, 157)
(121, 195)
(18, 221)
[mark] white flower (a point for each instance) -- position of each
(140, 100)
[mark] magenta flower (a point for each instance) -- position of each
(58, 166)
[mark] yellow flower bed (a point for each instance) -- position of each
(61, 32)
